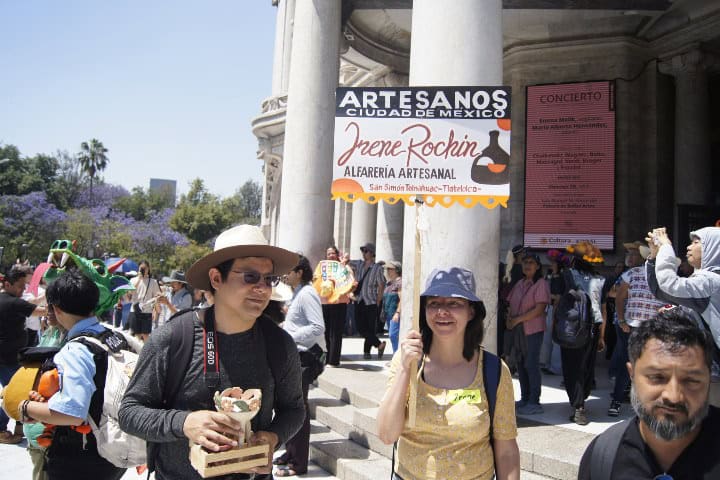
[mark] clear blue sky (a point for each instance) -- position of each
(169, 87)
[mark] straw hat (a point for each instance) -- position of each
(18, 389)
(239, 242)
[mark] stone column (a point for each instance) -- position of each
(306, 212)
(364, 221)
(389, 233)
(343, 222)
(692, 131)
(283, 45)
(456, 43)
(692, 127)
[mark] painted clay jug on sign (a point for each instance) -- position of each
(491, 166)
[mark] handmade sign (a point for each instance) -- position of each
(332, 280)
(448, 144)
(422, 146)
(243, 406)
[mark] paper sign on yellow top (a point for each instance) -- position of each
(332, 280)
(448, 144)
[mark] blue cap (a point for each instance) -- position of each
(452, 282)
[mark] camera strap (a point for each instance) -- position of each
(211, 369)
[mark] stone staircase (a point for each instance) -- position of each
(344, 441)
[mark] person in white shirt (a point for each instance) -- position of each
(304, 322)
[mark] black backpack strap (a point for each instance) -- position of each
(182, 338)
(491, 380)
(569, 280)
(100, 355)
(605, 450)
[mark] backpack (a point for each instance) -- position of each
(573, 322)
(180, 353)
(605, 449)
(114, 362)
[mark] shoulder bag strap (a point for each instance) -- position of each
(605, 450)
(491, 380)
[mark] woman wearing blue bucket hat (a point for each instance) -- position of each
(453, 436)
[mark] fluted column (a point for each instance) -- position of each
(692, 127)
(306, 212)
(456, 43)
(389, 232)
(283, 46)
(362, 231)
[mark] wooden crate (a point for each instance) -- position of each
(238, 459)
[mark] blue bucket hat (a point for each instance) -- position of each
(453, 282)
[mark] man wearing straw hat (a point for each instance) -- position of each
(240, 273)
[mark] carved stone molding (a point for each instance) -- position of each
(691, 62)
(272, 104)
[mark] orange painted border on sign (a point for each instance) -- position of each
(467, 201)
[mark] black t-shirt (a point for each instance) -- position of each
(13, 312)
(635, 461)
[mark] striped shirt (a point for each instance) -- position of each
(641, 303)
(372, 279)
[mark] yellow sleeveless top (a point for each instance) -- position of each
(450, 439)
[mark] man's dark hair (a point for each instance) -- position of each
(17, 272)
(676, 329)
(474, 330)
(74, 293)
(303, 266)
(224, 269)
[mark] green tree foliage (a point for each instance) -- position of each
(200, 215)
(64, 190)
(93, 159)
(245, 205)
(142, 204)
(20, 176)
(185, 256)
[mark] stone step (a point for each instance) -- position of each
(344, 458)
(355, 424)
(549, 451)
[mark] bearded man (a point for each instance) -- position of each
(674, 433)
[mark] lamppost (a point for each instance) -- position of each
(2, 251)
(24, 247)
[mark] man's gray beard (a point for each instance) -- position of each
(666, 429)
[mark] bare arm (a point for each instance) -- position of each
(41, 412)
(620, 298)
(536, 311)
(391, 414)
(507, 459)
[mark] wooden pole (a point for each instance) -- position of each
(412, 401)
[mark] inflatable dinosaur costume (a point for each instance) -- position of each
(32, 376)
(112, 287)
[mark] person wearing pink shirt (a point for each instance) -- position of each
(528, 300)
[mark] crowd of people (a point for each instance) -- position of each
(256, 316)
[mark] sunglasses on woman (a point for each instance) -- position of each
(252, 278)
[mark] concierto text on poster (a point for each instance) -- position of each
(449, 144)
(570, 165)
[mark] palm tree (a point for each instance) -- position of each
(92, 159)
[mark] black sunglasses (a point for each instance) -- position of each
(252, 278)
